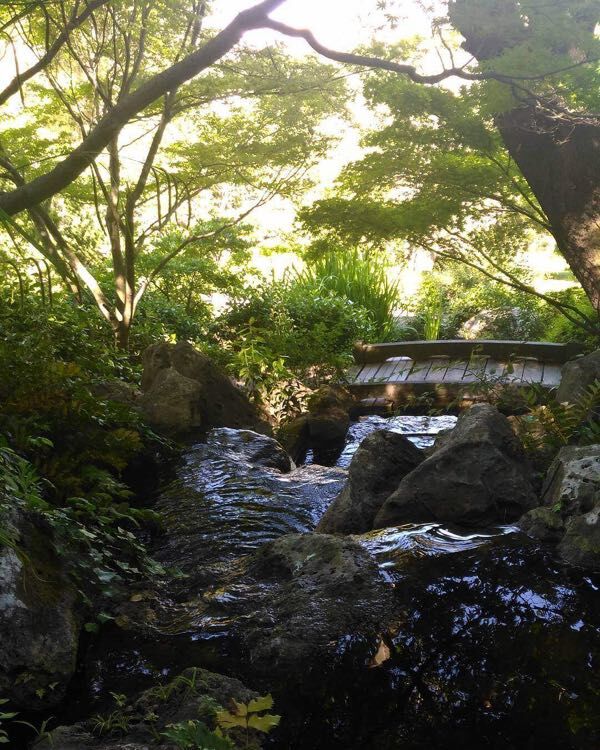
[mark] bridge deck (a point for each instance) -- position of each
(395, 370)
(444, 369)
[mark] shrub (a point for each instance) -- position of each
(313, 333)
(464, 293)
(361, 279)
(63, 448)
(282, 340)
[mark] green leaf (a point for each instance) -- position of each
(241, 709)
(263, 703)
(263, 723)
(227, 720)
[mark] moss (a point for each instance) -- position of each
(42, 579)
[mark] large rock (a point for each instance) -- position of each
(544, 524)
(173, 403)
(295, 438)
(383, 459)
(322, 429)
(581, 542)
(116, 390)
(479, 476)
(184, 391)
(252, 447)
(571, 506)
(572, 484)
(39, 618)
(314, 593)
(577, 375)
(327, 434)
(196, 694)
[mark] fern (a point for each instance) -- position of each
(555, 424)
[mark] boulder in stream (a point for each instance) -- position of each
(233, 493)
(571, 506)
(183, 390)
(479, 476)
(252, 447)
(312, 595)
(383, 459)
(322, 429)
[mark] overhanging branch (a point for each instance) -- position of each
(63, 174)
(367, 61)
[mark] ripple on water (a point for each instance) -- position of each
(221, 506)
(392, 547)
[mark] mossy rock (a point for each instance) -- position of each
(194, 695)
(581, 542)
(40, 618)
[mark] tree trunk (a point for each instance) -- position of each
(558, 152)
(559, 156)
(122, 329)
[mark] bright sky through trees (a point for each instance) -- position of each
(341, 24)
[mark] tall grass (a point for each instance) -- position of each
(433, 313)
(362, 280)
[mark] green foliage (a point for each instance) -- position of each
(551, 425)
(285, 337)
(563, 330)
(64, 448)
(216, 728)
(4, 717)
(266, 378)
(527, 38)
(250, 716)
(432, 310)
(118, 722)
(436, 174)
(363, 279)
(51, 364)
(195, 735)
(185, 684)
(240, 134)
(453, 294)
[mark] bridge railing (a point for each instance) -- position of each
(543, 351)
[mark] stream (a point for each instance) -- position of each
(493, 643)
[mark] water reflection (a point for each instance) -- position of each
(220, 508)
(496, 646)
(420, 430)
(492, 643)
(392, 547)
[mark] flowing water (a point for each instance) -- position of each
(494, 645)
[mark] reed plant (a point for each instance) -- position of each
(363, 280)
(433, 313)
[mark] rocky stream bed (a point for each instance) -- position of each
(419, 635)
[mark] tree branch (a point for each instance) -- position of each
(367, 61)
(51, 52)
(69, 169)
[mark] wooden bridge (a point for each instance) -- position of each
(398, 372)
